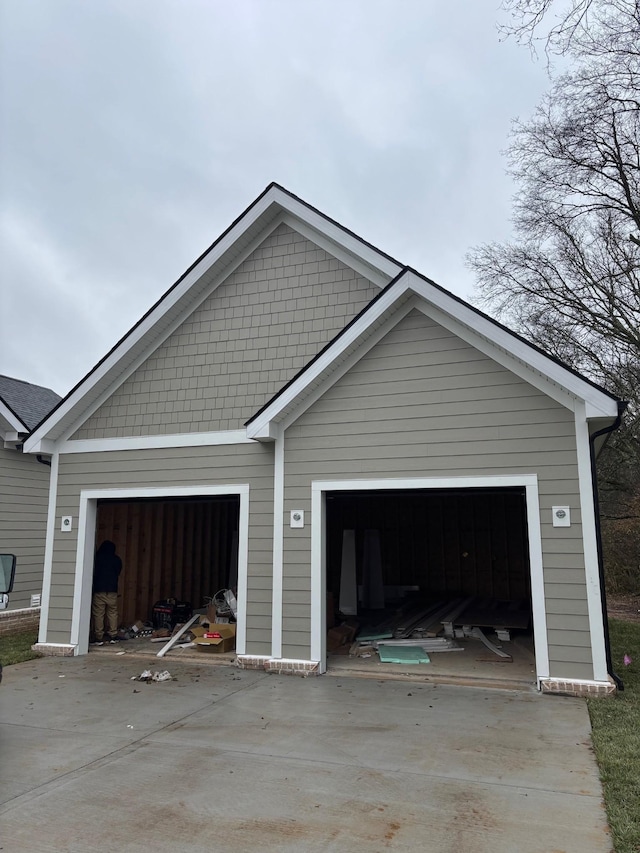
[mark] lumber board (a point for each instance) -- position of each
(479, 635)
(177, 636)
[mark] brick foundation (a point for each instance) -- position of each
(15, 621)
(56, 649)
(280, 666)
(251, 661)
(567, 687)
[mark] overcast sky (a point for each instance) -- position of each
(134, 132)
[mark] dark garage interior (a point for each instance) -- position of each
(436, 554)
(468, 542)
(183, 548)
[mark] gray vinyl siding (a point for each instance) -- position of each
(422, 402)
(24, 495)
(246, 340)
(193, 466)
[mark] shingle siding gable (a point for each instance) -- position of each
(247, 339)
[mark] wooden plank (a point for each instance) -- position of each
(348, 601)
(177, 636)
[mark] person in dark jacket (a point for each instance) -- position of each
(106, 571)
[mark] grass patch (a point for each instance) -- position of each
(16, 648)
(615, 724)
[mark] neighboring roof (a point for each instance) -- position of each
(29, 403)
(478, 328)
(274, 206)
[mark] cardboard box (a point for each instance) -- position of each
(341, 635)
(223, 639)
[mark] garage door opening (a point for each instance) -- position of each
(171, 548)
(444, 570)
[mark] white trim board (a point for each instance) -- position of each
(345, 366)
(48, 549)
(152, 442)
(12, 419)
(319, 488)
(275, 206)
(479, 331)
(597, 402)
(500, 356)
(278, 547)
(339, 235)
(375, 276)
(85, 546)
(260, 427)
(34, 443)
(590, 546)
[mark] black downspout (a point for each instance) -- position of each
(622, 405)
(43, 460)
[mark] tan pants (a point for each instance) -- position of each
(104, 604)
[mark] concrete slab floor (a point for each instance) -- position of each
(221, 759)
(475, 664)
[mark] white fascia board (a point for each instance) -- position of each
(355, 253)
(598, 403)
(312, 395)
(500, 356)
(152, 442)
(356, 247)
(274, 196)
(375, 275)
(167, 302)
(262, 424)
(497, 343)
(43, 445)
(594, 412)
(170, 328)
(269, 432)
(11, 440)
(13, 421)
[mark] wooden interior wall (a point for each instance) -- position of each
(169, 549)
(445, 543)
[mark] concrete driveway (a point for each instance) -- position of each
(227, 760)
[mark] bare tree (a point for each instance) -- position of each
(576, 27)
(570, 280)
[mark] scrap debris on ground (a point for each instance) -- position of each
(148, 676)
(211, 629)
